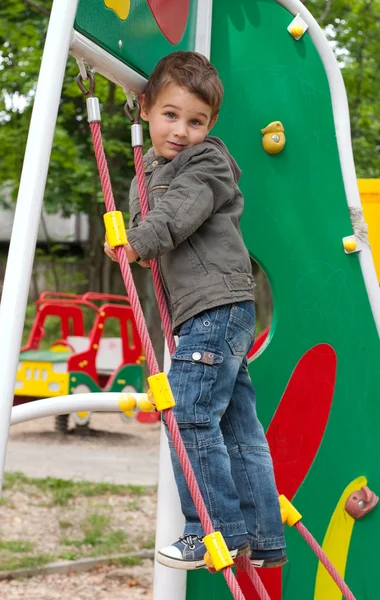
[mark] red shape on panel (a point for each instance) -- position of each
(298, 425)
(171, 16)
(295, 435)
(259, 342)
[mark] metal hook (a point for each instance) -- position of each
(134, 118)
(83, 89)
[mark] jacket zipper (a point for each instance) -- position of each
(159, 187)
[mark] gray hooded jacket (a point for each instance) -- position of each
(193, 228)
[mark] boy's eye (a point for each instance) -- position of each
(170, 115)
(195, 122)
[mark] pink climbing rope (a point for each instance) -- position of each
(325, 561)
(157, 281)
(148, 347)
(124, 264)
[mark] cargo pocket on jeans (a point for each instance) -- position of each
(240, 331)
(192, 376)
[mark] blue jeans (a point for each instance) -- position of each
(216, 413)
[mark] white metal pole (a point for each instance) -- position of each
(29, 204)
(170, 584)
(63, 405)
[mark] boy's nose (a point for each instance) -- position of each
(180, 130)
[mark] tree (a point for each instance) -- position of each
(73, 181)
(353, 27)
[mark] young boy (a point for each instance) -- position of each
(193, 229)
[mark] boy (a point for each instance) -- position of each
(193, 229)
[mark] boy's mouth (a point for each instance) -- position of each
(177, 146)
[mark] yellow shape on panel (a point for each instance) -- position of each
(336, 545)
(120, 7)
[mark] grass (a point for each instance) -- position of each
(62, 490)
(16, 546)
(98, 533)
(25, 562)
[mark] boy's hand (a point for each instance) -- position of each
(110, 252)
(130, 252)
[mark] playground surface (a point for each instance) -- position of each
(107, 583)
(112, 451)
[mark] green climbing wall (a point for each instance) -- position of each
(295, 218)
(138, 40)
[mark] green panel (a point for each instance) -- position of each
(79, 378)
(143, 44)
(131, 375)
(44, 356)
(295, 218)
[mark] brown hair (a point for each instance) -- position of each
(189, 70)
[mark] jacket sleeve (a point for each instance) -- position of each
(134, 205)
(203, 183)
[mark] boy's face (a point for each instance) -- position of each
(177, 120)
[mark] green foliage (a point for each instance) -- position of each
(73, 184)
(353, 27)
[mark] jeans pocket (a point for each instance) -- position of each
(192, 375)
(240, 330)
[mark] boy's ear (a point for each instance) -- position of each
(212, 122)
(144, 112)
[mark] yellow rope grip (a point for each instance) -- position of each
(217, 555)
(161, 391)
(289, 513)
(116, 234)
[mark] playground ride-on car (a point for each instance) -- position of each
(79, 363)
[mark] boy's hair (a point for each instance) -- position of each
(189, 70)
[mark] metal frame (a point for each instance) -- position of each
(29, 205)
(86, 51)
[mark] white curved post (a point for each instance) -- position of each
(29, 204)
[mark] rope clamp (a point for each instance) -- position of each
(116, 234)
(217, 555)
(161, 391)
(289, 513)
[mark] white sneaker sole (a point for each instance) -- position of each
(191, 565)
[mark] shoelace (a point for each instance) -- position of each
(188, 540)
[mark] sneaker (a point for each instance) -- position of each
(268, 559)
(188, 552)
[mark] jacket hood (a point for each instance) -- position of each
(223, 149)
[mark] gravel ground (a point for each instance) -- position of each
(106, 583)
(26, 515)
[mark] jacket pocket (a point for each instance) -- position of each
(239, 282)
(192, 375)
